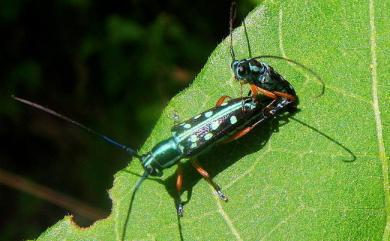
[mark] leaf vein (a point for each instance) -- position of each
(378, 119)
(226, 218)
(285, 220)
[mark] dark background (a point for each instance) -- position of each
(112, 65)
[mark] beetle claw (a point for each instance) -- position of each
(180, 209)
(222, 195)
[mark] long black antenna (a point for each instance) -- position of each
(136, 187)
(231, 20)
(233, 12)
(327, 137)
(247, 39)
(317, 76)
(89, 130)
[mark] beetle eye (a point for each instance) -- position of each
(241, 70)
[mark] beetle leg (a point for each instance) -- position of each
(238, 134)
(285, 95)
(176, 118)
(255, 90)
(179, 185)
(206, 176)
(222, 99)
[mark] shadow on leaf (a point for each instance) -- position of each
(218, 159)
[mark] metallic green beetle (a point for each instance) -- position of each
(225, 122)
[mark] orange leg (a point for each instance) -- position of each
(273, 95)
(256, 90)
(179, 185)
(221, 100)
(285, 95)
(179, 179)
(206, 176)
(238, 134)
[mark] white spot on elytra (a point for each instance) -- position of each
(233, 119)
(208, 114)
(196, 117)
(193, 138)
(187, 126)
(208, 136)
(215, 125)
(181, 148)
(193, 145)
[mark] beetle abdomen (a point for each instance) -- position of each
(210, 127)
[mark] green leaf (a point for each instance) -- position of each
(285, 180)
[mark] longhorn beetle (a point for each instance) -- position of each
(225, 122)
(262, 78)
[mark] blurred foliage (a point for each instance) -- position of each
(110, 64)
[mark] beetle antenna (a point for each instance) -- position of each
(107, 139)
(135, 189)
(247, 39)
(231, 20)
(353, 156)
(315, 74)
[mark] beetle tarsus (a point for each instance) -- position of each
(222, 195)
(180, 209)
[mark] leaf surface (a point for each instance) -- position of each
(285, 180)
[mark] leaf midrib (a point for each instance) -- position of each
(378, 118)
